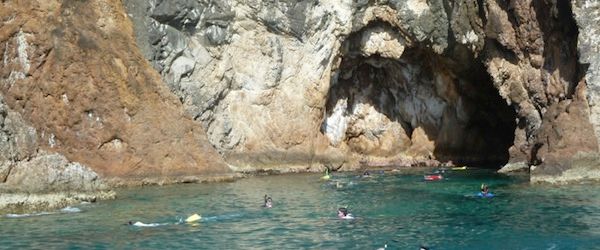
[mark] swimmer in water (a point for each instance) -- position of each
(485, 192)
(484, 189)
(327, 176)
(268, 202)
(343, 213)
(141, 224)
(366, 174)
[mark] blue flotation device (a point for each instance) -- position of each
(482, 195)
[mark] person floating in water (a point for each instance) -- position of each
(194, 218)
(485, 192)
(141, 224)
(344, 214)
(268, 202)
(326, 176)
(366, 174)
(433, 177)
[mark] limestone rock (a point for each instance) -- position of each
(47, 173)
(303, 84)
(21, 203)
(483, 81)
(74, 73)
(581, 167)
(585, 13)
(32, 180)
(514, 167)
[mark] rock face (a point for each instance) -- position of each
(34, 180)
(80, 106)
(347, 83)
(292, 86)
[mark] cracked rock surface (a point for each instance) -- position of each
(82, 110)
(403, 82)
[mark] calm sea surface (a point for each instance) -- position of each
(398, 209)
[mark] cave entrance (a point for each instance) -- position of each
(418, 106)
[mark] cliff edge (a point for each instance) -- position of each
(79, 101)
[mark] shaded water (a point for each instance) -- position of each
(399, 209)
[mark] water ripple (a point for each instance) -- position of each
(400, 210)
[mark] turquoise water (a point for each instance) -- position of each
(398, 209)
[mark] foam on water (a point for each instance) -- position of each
(221, 217)
(65, 210)
(141, 224)
(70, 210)
(28, 215)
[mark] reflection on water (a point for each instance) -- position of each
(402, 210)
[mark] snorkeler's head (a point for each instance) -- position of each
(342, 211)
(268, 202)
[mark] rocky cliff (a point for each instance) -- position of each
(286, 84)
(81, 109)
(106, 92)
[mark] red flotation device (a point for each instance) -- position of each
(433, 177)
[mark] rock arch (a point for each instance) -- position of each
(395, 100)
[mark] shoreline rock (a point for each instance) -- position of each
(582, 167)
(514, 168)
(120, 182)
(22, 203)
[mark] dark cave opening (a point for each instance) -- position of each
(421, 106)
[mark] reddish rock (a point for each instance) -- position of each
(73, 71)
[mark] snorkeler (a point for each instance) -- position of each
(194, 218)
(433, 177)
(344, 214)
(141, 224)
(326, 176)
(268, 202)
(485, 192)
(484, 189)
(383, 248)
(366, 174)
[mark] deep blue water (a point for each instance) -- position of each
(398, 209)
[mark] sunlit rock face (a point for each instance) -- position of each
(284, 84)
(78, 98)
